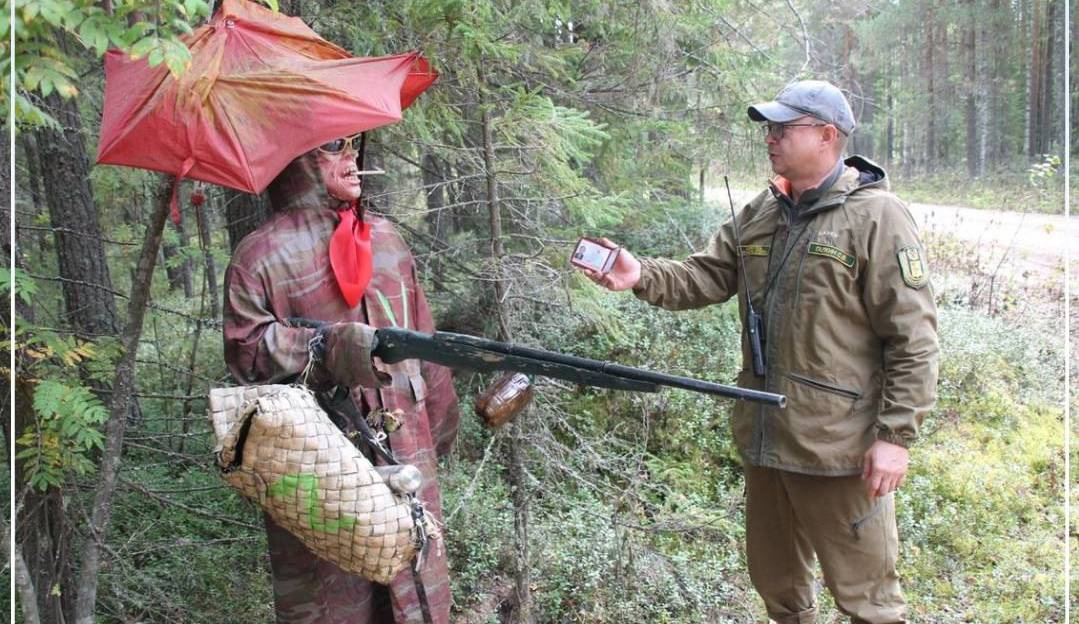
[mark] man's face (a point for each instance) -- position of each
(799, 149)
(337, 163)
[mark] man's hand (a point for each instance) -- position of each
(624, 275)
(885, 465)
(347, 356)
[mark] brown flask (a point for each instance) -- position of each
(504, 399)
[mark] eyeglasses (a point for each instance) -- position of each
(775, 130)
(339, 145)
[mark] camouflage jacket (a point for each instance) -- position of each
(282, 270)
(850, 322)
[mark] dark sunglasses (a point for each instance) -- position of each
(338, 145)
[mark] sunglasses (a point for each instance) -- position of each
(339, 145)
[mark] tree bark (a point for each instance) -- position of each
(123, 390)
(971, 110)
(931, 94)
(24, 585)
(1035, 89)
(210, 269)
(244, 213)
(79, 247)
(178, 273)
(41, 529)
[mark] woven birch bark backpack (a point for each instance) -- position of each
(277, 446)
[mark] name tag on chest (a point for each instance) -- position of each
(835, 253)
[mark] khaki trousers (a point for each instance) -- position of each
(790, 517)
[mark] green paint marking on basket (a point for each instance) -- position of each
(304, 488)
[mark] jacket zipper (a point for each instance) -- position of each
(769, 304)
(820, 385)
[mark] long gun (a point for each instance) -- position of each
(462, 351)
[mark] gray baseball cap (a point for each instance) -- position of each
(815, 98)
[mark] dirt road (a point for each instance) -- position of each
(1024, 240)
(1031, 240)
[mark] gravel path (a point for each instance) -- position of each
(1026, 241)
(1035, 241)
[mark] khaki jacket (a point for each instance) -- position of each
(842, 283)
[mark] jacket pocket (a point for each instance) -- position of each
(826, 387)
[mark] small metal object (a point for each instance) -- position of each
(403, 478)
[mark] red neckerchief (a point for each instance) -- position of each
(350, 255)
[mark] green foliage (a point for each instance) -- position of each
(178, 565)
(65, 430)
(22, 286)
(978, 514)
(64, 435)
(1009, 188)
(46, 65)
(635, 500)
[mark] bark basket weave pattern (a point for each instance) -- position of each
(303, 471)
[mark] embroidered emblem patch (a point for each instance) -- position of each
(912, 267)
(753, 250)
(835, 253)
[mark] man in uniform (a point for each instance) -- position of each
(834, 266)
(321, 258)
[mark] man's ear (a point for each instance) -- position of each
(829, 137)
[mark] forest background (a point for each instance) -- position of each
(550, 120)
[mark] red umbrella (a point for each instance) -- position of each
(262, 89)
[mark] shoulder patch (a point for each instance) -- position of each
(835, 253)
(753, 250)
(912, 267)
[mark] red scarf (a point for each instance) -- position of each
(350, 255)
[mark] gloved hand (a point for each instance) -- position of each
(346, 356)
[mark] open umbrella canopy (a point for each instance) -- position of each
(262, 89)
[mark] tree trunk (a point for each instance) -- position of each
(210, 269)
(79, 247)
(244, 213)
(889, 148)
(178, 271)
(1035, 89)
(434, 183)
(518, 476)
(1049, 121)
(123, 390)
(41, 530)
(931, 94)
(24, 585)
(985, 121)
(971, 113)
(944, 93)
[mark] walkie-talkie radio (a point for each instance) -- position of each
(754, 324)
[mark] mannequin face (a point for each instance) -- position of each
(337, 164)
